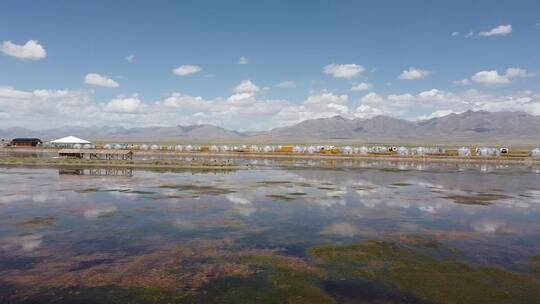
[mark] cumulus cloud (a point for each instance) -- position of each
(243, 60)
(184, 70)
(463, 82)
(343, 70)
(413, 74)
(31, 50)
(437, 102)
(501, 30)
(362, 86)
(469, 35)
(286, 85)
(245, 109)
(130, 58)
(99, 80)
(246, 86)
(124, 105)
(493, 77)
(454, 34)
(437, 114)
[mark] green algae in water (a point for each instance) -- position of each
(482, 199)
(274, 182)
(297, 193)
(201, 190)
(112, 295)
(39, 221)
(279, 197)
(276, 279)
(401, 184)
(534, 264)
(426, 276)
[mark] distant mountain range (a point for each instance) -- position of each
(467, 127)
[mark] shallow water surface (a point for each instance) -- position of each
(377, 233)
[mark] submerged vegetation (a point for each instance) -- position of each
(482, 199)
(420, 270)
(38, 221)
(198, 189)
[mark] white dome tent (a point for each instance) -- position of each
(535, 152)
(347, 150)
(464, 152)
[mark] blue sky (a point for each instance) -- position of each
(372, 42)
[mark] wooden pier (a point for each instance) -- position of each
(97, 154)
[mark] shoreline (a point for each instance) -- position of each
(116, 164)
(518, 160)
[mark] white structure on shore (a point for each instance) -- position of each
(70, 142)
(402, 151)
(535, 152)
(464, 152)
(485, 151)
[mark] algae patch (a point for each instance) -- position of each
(275, 279)
(198, 189)
(482, 199)
(38, 221)
(279, 197)
(421, 272)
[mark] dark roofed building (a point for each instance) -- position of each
(25, 142)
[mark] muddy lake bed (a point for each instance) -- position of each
(308, 231)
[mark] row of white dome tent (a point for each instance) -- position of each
(487, 151)
(118, 146)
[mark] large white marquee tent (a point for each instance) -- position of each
(70, 142)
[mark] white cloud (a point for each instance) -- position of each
(178, 100)
(455, 34)
(469, 35)
(184, 70)
(363, 86)
(246, 86)
(124, 105)
(413, 74)
(286, 85)
(501, 30)
(463, 82)
(343, 70)
(436, 114)
(493, 77)
(243, 60)
(130, 58)
(244, 109)
(99, 80)
(31, 50)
